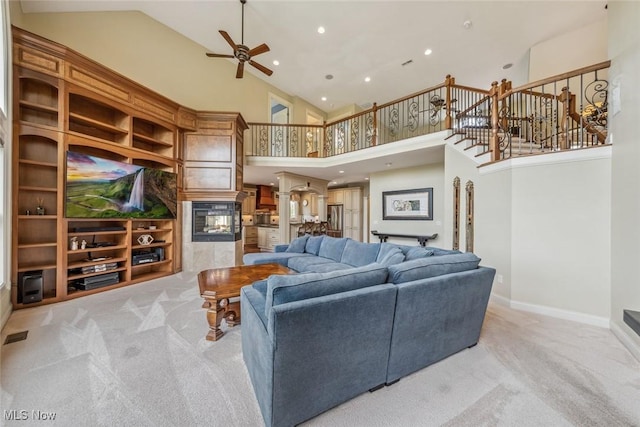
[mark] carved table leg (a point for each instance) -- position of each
(232, 313)
(215, 313)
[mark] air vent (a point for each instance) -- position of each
(18, 336)
(407, 62)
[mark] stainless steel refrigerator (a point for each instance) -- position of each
(335, 220)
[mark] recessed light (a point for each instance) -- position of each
(271, 183)
(320, 30)
(467, 24)
(276, 62)
(340, 171)
(334, 182)
(324, 98)
(428, 52)
(367, 79)
(366, 178)
(277, 177)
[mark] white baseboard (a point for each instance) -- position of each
(588, 319)
(624, 338)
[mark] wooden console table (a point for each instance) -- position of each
(421, 239)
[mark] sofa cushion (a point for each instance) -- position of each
(332, 247)
(389, 254)
(270, 257)
(417, 252)
(282, 289)
(440, 251)
(304, 262)
(313, 244)
(432, 266)
(297, 245)
(358, 254)
(330, 266)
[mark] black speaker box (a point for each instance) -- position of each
(31, 287)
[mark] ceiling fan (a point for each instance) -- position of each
(242, 52)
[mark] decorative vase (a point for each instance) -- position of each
(40, 210)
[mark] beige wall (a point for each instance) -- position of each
(624, 50)
(407, 179)
(159, 58)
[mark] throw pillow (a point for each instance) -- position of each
(389, 254)
(297, 245)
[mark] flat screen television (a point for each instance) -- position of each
(101, 188)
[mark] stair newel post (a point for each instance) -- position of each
(565, 98)
(448, 83)
(493, 141)
(505, 87)
(323, 152)
(374, 136)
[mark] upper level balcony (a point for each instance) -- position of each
(562, 112)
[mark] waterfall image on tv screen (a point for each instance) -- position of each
(101, 188)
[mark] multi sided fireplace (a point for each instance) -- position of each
(216, 222)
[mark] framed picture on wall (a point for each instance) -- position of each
(408, 204)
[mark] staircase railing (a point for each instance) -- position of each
(563, 112)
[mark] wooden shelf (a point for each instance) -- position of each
(152, 245)
(97, 233)
(37, 245)
(30, 188)
(39, 107)
(37, 163)
(90, 263)
(97, 249)
(150, 140)
(150, 264)
(97, 273)
(37, 217)
(97, 124)
(24, 268)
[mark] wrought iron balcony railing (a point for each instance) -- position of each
(563, 112)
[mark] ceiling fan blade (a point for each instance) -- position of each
(262, 68)
(219, 55)
(259, 49)
(229, 40)
(240, 70)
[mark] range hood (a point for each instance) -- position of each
(264, 198)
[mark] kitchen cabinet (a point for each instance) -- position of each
(249, 203)
(313, 201)
(268, 238)
(250, 235)
(335, 197)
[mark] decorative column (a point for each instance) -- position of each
(469, 217)
(284, 212)
(322, 207)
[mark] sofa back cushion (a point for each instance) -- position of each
(432, 266)
(313, 244)
(332, 247)
(418, 252)
(389, 254)
(298, 244)
(287, 288)
(358, 254)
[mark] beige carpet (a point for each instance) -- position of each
(137, 356)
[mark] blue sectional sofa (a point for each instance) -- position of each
(358, 316)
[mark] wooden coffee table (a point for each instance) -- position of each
(218, 285)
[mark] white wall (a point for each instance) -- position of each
(570, 51)
(561, 235)
(407, 179)
(624, 51)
